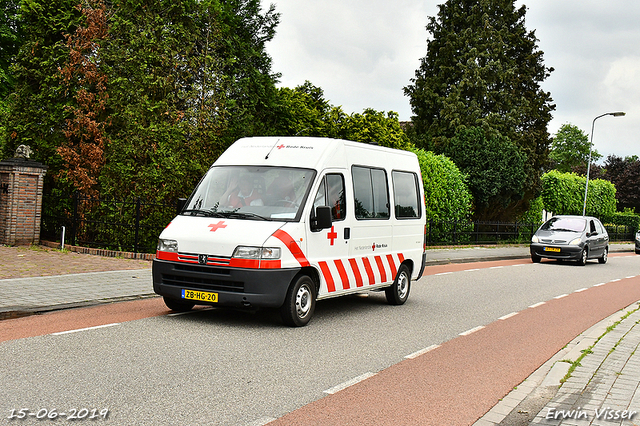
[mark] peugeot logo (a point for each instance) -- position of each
(202, 259)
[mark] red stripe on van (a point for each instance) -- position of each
(383, 274)
(270, 264)
(165, 255)
(331, 286)
(343, 274)
(369, 269)
(356, 272)
(294, 248)
(392, 265)
(401, 257)
(245, 263)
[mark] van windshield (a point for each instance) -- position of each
(255, 193)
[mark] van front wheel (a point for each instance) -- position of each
(300, 302)
(398, 292)
(178, 305)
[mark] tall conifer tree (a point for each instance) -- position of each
(483, 69)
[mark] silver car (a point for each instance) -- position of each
(578, 238)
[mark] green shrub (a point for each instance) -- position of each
(446, 194)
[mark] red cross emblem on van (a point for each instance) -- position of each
(215, 226)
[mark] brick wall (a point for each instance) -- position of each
(21, 183)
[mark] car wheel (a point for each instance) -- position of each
(177, 304)
(637, 251)
(605, 255)
(300, 302)
(583, 257)
(398, 292)
(535, 259)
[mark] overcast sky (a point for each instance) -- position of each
(363, 52)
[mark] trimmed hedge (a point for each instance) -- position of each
(563, 193)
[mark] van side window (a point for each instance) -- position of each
(405, 195)
(331, 193)
(371, 193)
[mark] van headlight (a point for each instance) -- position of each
(167, 245)
(534, 239)
(247, 252)
(575, 241)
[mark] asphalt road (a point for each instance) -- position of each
(224, 367)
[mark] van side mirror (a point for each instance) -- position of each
(322, 219)
(180, 205)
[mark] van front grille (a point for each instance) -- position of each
(209, 284)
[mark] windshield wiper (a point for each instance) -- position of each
(207, 213)
(244, 215)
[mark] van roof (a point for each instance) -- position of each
(310, 152)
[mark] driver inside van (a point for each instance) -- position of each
(241, 193)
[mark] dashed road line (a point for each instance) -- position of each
(598, 285)
(561, 296)
(422, 351)
(84, 329)
(512, 314)
(473, 330)
(581, 289)
(537, 304)
(348, 383)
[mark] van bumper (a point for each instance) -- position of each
(236, 287)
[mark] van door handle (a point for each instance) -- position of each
(347, 233)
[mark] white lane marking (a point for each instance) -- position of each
(348, 383)
(512, 314)
(422, 351)
(496, 267)
(598, 285)
(473, 330)
(471, 270)
(631, 276)
(615, 281)
(84, 329)
(261, 421)
(561, 296)
(537, 304)
(444, 273)
(175, 314)
(581, 289)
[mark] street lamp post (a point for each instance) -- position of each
(586, 187)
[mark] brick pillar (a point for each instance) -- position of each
(21, 183)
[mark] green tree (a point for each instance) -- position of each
(483, 69)
(304, 111)
(165, 104)
(36, 107)
(251, 95)
(495, 168)
(11, 38)
(570, 149)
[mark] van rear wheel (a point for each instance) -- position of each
(398, 292)
(300, 302)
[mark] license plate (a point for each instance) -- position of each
(556, 249)
(201, 296)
